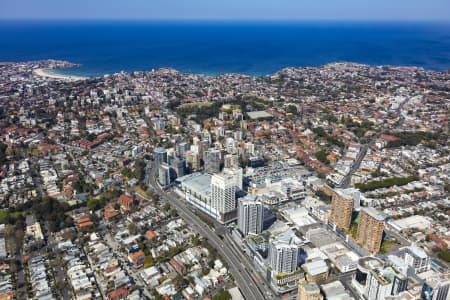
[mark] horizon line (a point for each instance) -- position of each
(228, 19)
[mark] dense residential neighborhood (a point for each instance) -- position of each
(330, 182)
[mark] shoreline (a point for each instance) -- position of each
(51, 72)
(47, 73)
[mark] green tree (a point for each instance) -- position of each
(96, 203)
(322, 156)
(292, 109)
(126, 172)
(385, 183)
(222, 295)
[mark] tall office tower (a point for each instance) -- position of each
(399, 280)
(361, 278)
(341, 210)
(381, 285)
(179, 166)
(416, 259)
(212, 161)
(284, 253)
(164, 174)
(308, 291)
(182, 148)
(238, 176)
(370, 229)
(160, 156)
(230, 145)
(250, 215)
(203, 146)
(148, 173)
(193, 160)
(231, 161)
(223, 193)
(375, 281)
(436, 287)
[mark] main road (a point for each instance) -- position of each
(347, 179)
(249, 288)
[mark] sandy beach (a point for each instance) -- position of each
(49, 74)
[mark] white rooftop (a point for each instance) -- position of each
(416, 221)
(419, 252)
(316, 267)
(374, 213)
(259, 114)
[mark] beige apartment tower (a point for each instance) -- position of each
(341, 210)
(308, 291)
(370, 229)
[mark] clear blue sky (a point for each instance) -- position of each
(227, 9)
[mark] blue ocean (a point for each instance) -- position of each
(255, 48)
